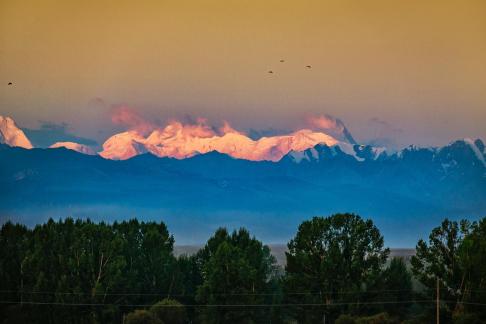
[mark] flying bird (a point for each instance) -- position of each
(308, 66)
(10, 83)
(270, 71)
(281, 61)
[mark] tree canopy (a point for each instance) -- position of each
(337, 270)
(332, 260)
(236, 270)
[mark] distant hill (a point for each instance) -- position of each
(405, 194)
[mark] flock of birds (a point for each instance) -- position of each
(283, 61)
(270, 71)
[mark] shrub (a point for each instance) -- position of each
(169, 311)
(345, 319)
(141, 316)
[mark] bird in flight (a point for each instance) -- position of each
(281, 61)
(308, 66)
(10, 83)
(270, 71)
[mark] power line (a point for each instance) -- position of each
(224, 305)
(226, 294)
(424, 301)
(217, 294)
(468, 303)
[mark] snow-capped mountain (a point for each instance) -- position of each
(465, 151)
(464, 154)
(181, 141)
(322, 152)
(81, 148)
(186, 140)
(123, 146)
(191, 174)
(12, 135)
(416, 186)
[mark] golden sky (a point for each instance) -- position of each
(416, 65)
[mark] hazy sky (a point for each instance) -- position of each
(412, 69)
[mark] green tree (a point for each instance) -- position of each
(236, 270)
(73, 262)
(472, 254)
(332, 260)
(440, 260)
(84, 263)
(187, 279)
(150, 263)
(397, 284)
(14, 241)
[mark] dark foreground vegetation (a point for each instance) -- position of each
(337, 271)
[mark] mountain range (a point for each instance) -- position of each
(183, 140)
(405, 193)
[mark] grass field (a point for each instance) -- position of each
(278, 250)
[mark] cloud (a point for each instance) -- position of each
(384, 133)
(268, 132)
(325, 122)
(330, 125)
(194, 128)
(125, 116)
(49, 133)
(189, 125)
(383, 127)
(227, 129)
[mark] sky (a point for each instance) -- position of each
(406, 72)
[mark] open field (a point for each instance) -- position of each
(278, 251)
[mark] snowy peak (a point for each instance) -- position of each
(368, 152)
(12, 135)
(180, 141)
(460, 155)
(81, 148)
(478, 148)
(123, 146)
(464, 150)
(323, 152)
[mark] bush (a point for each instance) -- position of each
(345, 319)
(169, 311)
(141, 316)
(381, 318)
(466, 318)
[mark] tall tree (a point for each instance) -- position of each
(236, 270)
(14, 241)
(332, 260)
(397, 284)
(87, 264)
(439, 260)
(472, 254)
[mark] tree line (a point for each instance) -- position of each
(337, 271)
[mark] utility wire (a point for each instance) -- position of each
(242, 305)
(189, 295)
(223, 305)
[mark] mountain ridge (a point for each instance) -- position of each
(402, 191)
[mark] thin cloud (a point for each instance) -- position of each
(50, 132)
